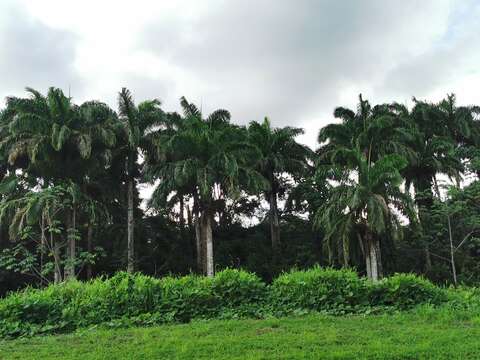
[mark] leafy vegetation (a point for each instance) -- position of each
(135, 299)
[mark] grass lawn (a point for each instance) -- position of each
(403, 336)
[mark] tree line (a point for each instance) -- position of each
(389, 188)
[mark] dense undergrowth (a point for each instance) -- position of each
(125, 299)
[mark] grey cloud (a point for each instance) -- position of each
(287, 59)
(32, 54)
(440, 65)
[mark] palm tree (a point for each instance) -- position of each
(376, 131)
(438, 135)
(137, 122)
(51, 138)
(364, 200)
(279, 155)
(207, 158)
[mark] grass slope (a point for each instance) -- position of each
(418, 335)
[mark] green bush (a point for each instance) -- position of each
(239, 293)
(317, 289)
(127, 299)
(74, 304)
(404, 291)
(182, 299)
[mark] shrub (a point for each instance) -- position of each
(74, 304)
(137, 299)
(317, 289)
(239, 293)
(404, 291)
(185, 298)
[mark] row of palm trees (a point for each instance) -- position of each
(64, 167)
(63, 164)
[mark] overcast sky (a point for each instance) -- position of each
(291, 60)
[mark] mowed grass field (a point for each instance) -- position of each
(427, 335)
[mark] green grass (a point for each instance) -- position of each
(430, 334)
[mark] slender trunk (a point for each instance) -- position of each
(372, 257)
(198, 234)
(346, 252)
(368, 259)
(69, 271)
(424, 201)
(55, 249)
(55, 246)
(378, 253)
(130, 227)
(56, 256)
(452, 251)
(72, 244)
(208, 243)
(362, 248)
(192, 241)
(209, 246)
(189, 217)
(330, 252)
(181, 217)
(43, 242)
(436, 187)
(198, 243)
(89, 249)
(274, 227)
(66, 267)
(203, 242)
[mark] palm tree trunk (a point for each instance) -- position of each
(130, 227)
(189, 217)
(346, 251)
(181, 217)
(378, 256)
(372, 257)
(436, 187)
(274, 226)
(71, 244)
(198, 234)
(198, 243)
(424, 201)
(43, 241)
(89, 248)
(330, 252)
(57, 276)
(368, 258)
(208, 243)
(452, 252)
(54, 247)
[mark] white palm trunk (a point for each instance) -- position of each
(209, 246)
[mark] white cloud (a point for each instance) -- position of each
(291, 60)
